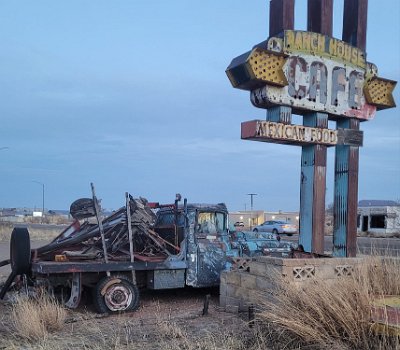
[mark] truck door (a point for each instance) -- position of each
(210, 236)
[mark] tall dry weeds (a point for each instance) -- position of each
(33, 319)
(334, 314)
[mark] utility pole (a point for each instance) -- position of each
(42, 184)
(251, 207)
(251, 199)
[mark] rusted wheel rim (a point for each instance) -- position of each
(118, 297)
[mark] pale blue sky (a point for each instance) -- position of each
(133, 96)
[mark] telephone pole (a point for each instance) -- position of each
(251, 207)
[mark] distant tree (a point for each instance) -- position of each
(329, 209)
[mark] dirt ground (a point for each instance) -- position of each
(165, 319)
(169, 320)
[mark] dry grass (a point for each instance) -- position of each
(44, 232)
(33, 319)
(166, 328)
(334, 315)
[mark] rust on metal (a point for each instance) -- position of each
(312, 72)
(281, 16)
(297, 41)
(257, 68)
(299, 135)
(320, 121)
(267, 67)
(324, 76)
(378, 92)
(352, 203)
(385, 315)
(355, 23)
(320, 85)
(319, 16)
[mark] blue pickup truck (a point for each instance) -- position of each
(141, 245)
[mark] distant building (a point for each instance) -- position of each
(378, 217)
(29, 215)
(257, 217)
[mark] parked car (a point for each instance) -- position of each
(253, 244)
(276, 227)
(239, 224)
(278, 248)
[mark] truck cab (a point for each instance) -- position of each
(201, 231)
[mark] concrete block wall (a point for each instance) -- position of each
(239, 288)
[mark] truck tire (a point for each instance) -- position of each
(20, 251)
(82, 208)
(115, 294)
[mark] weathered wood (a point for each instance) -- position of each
(319, 16)
(99, 222)
(130, 233)
(281, 16)
(355, 23)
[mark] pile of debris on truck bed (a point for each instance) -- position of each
(124, 235)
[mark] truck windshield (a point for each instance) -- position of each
(211, 222)
(168, 219)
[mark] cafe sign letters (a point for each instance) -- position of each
(312, 72)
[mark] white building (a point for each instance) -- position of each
(378, 217)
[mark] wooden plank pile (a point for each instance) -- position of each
(109, 238)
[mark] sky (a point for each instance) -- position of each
(132, 95)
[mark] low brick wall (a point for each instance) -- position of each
(239, 288)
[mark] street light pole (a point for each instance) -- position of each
(251, 206)
(251, 199)
(42, 184)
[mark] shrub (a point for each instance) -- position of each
(334, 314)
(34, 318)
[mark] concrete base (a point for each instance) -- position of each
(238, 289)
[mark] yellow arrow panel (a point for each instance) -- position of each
(378, 92)
(267, 66)
(256, 69)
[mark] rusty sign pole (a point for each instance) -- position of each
(313, 157)
(347, 157)
(312, 189)
(281, 16)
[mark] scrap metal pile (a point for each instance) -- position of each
(125, 235)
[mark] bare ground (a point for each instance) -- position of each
(165, 319)
(170, 320)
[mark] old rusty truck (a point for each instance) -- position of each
(141, 245)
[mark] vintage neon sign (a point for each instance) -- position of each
(319, 85)
(312, 72)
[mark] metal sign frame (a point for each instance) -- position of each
(321, 78)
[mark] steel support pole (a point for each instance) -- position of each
(312, 189)
(346, 194)
(281, 16)
(319, 16)
(355, 23)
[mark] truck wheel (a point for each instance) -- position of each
(116, 294)
(20, 251)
